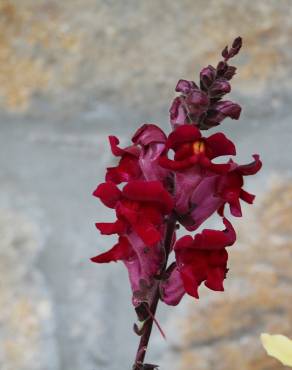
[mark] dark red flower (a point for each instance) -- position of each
(140, 208)
(199, 259)
(191, 148)
(201, 186)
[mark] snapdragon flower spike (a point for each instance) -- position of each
(199, 259)
(202, 106)
(140, 209)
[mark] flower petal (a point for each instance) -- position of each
(172, 289)
(219, 144)
(278, 346)
(147, 134)
(250, 168)
(149, 191)
(118, 152)
(127, 169)
(108, 228)
(121, 251)
(108, 193)
(183, 134)
(215, 239)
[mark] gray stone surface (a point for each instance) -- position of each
(71, 73)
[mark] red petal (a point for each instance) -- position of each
(251, 168)
(235, 207)
(149, 191)
(121, 251)
(127, 169)
(148, 134)
(177, 165)
(118, 152)
(108, 228)
(184, 243)
(215, 278)
(215, 239)
(208, 239)
(218, 144)
(114, 141)
(247, 197)
(183, 134)
(190, 282)
(147, 232)
(108, 193)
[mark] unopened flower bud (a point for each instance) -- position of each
(185, 86)
(219, 88)
(207, 76)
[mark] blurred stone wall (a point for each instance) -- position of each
(77, 51)
(74, 71)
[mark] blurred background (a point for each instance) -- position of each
(71, 73)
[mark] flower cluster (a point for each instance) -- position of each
(163, 181)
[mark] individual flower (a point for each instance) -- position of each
(199, 259)
(278, 346)
(140, 208)
(140, 160)
(203, 187)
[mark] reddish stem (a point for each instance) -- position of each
(143, 345)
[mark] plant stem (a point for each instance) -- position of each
(141, 352)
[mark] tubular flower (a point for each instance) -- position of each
(140, 209)
(201, 186)
(199, 259)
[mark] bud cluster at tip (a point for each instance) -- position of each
(202, 105)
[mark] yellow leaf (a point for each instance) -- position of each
(278, 346)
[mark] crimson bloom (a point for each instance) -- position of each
(199, 259)
(140, 209)
(140, 160)
(203, 187)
